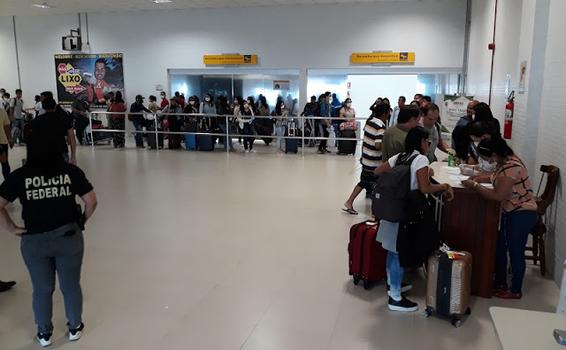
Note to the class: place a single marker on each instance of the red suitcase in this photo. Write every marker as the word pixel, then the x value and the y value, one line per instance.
pixel 366 255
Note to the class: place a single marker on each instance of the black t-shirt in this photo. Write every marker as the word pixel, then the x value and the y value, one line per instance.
pixel 47 196
pixel 51 129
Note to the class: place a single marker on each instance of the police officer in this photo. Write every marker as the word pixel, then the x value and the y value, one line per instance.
pixel 52 239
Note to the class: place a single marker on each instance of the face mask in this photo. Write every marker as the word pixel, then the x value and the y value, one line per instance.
pixel 207 99
pixel 486 165
pixel 191 102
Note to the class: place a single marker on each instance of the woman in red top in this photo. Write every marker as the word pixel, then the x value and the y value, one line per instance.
pixel 164 100
pixel 118 121
pixel 512 188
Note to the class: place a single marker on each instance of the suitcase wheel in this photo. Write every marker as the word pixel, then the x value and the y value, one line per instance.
pixel 357 279
pixel 367 284
pixel 456 321
pixel 428 311
pixel 468 311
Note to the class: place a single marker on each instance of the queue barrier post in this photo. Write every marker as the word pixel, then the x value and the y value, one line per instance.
pixel 226 139
pixel 156 131
pixel 90 131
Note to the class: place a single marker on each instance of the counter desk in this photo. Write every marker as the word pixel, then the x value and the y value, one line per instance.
pixel 469 223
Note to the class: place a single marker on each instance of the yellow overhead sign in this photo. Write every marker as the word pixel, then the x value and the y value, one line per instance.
pixel 229 60
pixel 383 57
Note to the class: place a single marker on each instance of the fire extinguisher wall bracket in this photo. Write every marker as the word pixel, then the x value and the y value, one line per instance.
pixel 509 111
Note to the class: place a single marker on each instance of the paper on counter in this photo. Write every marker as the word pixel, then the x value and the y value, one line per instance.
pixel 452 170
pixel 458 177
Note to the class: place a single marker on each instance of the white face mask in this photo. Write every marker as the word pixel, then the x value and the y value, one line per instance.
pixel 486 165
pixel 207 99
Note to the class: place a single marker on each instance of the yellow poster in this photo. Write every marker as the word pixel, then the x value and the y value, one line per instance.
pixel 229 60
pixel 383 57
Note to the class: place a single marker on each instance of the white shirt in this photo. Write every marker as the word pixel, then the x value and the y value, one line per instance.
pixel 418 163
pixel 394 116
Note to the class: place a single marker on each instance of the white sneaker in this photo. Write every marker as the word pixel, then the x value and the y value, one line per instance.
pixel 44 339
pixel 77 333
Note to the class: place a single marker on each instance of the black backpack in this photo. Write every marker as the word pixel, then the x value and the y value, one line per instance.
pixel 391 190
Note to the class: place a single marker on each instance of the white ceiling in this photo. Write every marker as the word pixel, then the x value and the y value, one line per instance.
pixel 25 7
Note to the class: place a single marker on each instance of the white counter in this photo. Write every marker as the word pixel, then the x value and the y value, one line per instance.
pixel 527 330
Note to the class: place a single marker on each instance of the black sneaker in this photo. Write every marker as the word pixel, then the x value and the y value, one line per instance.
pixel 4 286
pixel 404 305
pixel 44 339
pixel 76 333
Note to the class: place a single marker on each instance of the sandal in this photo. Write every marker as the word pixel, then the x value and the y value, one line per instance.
pixel 350 211
pixel 508 295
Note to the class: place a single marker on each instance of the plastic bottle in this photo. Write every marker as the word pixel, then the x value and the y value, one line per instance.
pixel 451 161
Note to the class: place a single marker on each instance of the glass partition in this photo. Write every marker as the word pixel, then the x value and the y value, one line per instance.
pixel 270 83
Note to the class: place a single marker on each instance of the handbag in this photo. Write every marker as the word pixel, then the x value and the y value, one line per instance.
pixel 349 125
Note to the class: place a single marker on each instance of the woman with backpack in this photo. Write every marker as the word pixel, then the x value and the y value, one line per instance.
pixel 413 162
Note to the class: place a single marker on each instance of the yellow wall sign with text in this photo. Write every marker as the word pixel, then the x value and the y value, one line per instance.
pixel 383 57
pixel 229 60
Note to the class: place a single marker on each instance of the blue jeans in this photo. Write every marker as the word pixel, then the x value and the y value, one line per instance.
pixel 394 275
pixel 226 142
pixel 138 124
pixel 58 252
pixel 512 239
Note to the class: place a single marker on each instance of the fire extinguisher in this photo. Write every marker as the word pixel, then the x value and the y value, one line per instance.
pixel 509 110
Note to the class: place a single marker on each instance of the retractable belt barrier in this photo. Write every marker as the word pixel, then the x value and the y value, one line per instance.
pixel 228 120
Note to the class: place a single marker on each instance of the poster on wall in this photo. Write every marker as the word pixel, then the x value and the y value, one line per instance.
pixel 88 76
pixel 453 108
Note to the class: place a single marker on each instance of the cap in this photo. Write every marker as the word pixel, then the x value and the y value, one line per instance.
pixel 139 97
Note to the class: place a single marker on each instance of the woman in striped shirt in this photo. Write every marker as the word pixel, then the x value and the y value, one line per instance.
pixel 512 187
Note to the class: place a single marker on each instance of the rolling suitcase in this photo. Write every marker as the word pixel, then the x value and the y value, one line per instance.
pixel 151 139
pixel 191 142
pixel 366 255
pixel 347 146
pixel 449 285
pixel 205 143
pixel 291 145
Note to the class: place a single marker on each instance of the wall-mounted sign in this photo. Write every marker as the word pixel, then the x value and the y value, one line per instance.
pixel 87 76
pixel 453 108
pixel 229 60
pixel 281 84
pixel 383 58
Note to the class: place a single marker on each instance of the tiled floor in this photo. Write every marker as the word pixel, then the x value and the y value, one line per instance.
pixel 193 250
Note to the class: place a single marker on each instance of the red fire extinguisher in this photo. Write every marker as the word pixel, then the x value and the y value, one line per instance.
pixel 509 110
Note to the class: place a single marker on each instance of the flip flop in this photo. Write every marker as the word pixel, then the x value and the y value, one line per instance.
pixel 350 211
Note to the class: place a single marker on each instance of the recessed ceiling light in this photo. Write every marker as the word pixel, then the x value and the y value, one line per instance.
pixel 44 5
pixel 162 1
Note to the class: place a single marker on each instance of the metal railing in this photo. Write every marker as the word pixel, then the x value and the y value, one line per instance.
pixel 229 120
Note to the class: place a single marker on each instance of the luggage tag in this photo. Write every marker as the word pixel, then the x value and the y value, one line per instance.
pixel 452 255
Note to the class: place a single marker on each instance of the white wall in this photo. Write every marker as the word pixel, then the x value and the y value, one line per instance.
pixel 551 148
pixel 532 31
pixel 507 48
pixel 8 70
pixel 321 36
